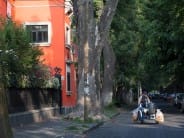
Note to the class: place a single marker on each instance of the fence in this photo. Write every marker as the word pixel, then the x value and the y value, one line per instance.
pixel 25 99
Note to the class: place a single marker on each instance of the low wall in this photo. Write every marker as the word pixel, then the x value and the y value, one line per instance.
pixel 32 116
pixel 28 105
pixel 26 99
pixel 23 118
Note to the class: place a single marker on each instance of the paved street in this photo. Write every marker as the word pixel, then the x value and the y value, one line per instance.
pixel 122 126
pixel 119 127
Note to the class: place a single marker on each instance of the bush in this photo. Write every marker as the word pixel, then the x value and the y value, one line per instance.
pixel 20 61
pixel 18 58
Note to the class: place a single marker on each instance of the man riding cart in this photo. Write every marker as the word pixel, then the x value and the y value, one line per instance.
pixel 147 110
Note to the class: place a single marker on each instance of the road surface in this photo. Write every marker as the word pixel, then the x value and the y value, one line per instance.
pixel 122 126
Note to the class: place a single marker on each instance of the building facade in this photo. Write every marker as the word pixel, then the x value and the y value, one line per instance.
pixel 50 25
pixel 3 8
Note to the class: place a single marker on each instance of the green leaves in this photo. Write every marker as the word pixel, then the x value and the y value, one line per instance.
pixel 164 26
pixel 125 38
pixel 17 56
pixel 147 37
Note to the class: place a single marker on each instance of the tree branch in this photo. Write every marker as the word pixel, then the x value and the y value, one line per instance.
pixel 107 16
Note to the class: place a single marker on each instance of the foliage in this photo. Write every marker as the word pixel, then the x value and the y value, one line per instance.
pixel 88 120
pixel 72 128
pixel 163 51
pixel 41 76
pixel 19 60
pixel 147 39
pixel 98 5
pixel 124 37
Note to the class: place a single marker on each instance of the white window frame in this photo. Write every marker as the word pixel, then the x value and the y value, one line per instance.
pixel 68 6
pixel 67 34
pixel 49 32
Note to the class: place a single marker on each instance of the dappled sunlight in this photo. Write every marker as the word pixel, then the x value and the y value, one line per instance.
pixel 46 131
pixel 51 129
pixel 81 100
pixel 175 121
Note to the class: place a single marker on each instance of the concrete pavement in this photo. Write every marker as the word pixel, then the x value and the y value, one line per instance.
pixel 53 128
pixel 56 127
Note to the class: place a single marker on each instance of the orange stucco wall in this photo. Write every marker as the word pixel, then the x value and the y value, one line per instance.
pixel 2 8
pixel 54 54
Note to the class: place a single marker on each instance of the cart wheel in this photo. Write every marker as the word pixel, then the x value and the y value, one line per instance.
pixel 140 117
pixel 142 121
pixel 157 122
pixel 134 119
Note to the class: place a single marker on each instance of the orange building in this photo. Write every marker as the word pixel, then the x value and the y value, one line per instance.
pixel 3 10
pixel 49 22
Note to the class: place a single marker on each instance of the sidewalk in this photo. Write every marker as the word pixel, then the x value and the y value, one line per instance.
pixel 54 128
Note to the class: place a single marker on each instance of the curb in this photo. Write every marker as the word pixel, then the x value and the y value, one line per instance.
pixel 93 127
pixel 99 124
pixel 115 115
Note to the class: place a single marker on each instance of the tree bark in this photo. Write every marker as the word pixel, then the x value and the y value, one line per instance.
pixel 5 128
pixel 109 68
pixel 109 58
pixel 86 38
pixel 91 37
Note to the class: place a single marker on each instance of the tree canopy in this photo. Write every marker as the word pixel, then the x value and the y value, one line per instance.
pixel 147 37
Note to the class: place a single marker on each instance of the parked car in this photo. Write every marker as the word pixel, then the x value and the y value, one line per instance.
pixel 162 95
pixel 152 96
pixel 170 97
pixel 182 105
pixel 165 96
pixel 178 99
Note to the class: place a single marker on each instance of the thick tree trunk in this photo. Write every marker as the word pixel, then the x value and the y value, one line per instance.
pixel 91 41
pixel 86 37
pixel 139 90
pixel 5 128
pixel 104 27
pixel 109 65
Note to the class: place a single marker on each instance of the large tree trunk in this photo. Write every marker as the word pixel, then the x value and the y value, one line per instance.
pixel 109 58
pixel 109 68
pixel 5 128
pixel 91 37
pixel 86 37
